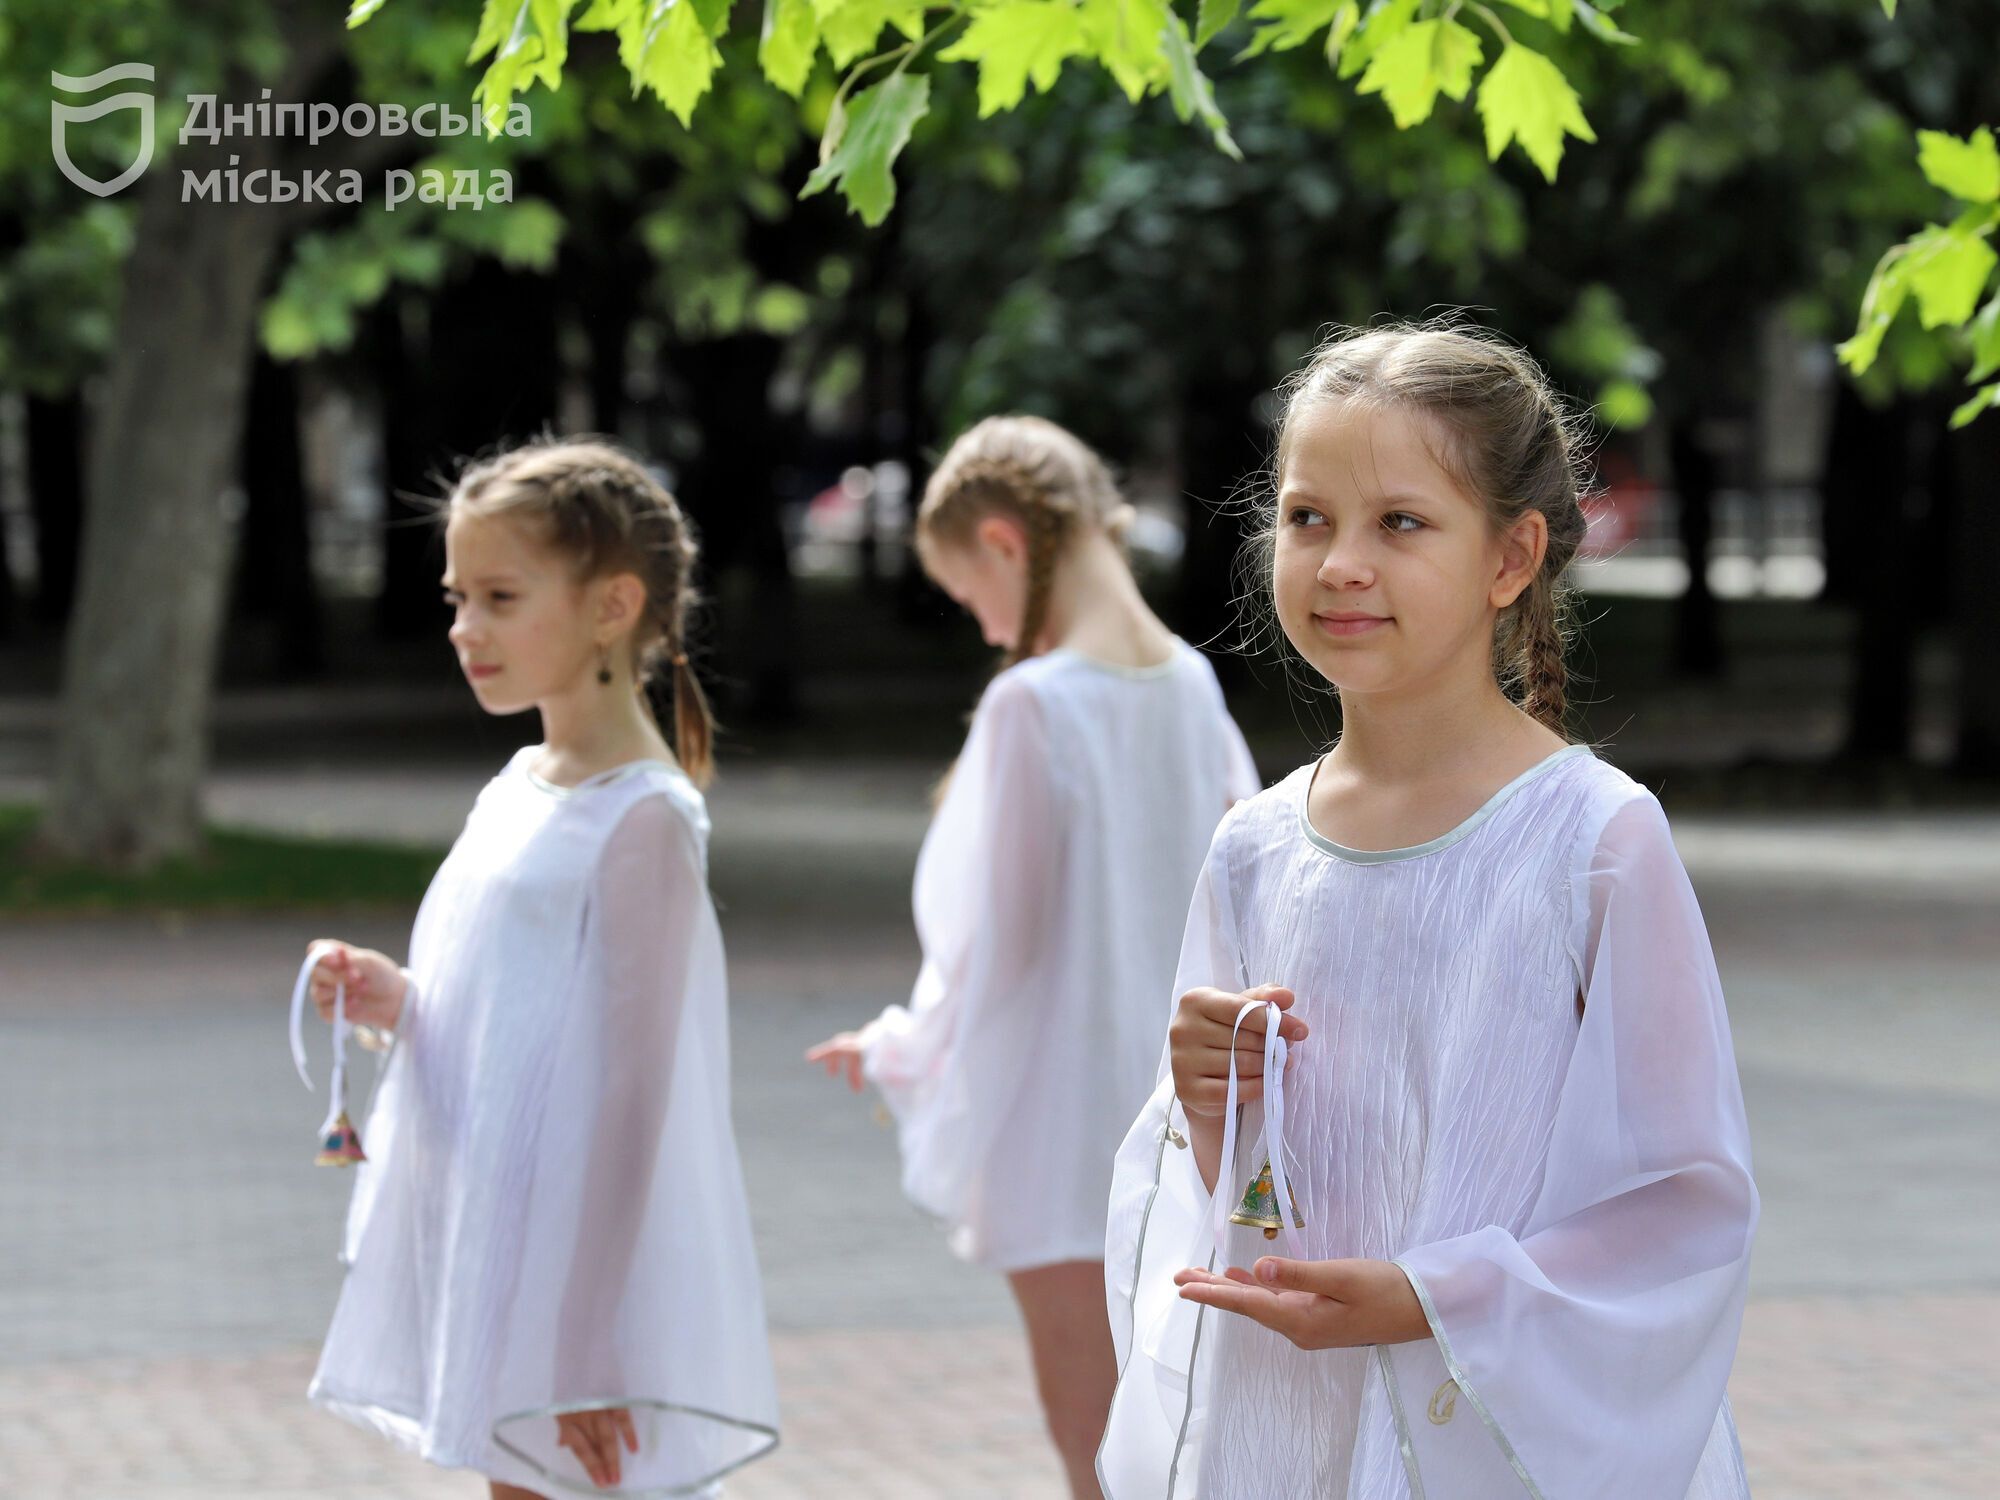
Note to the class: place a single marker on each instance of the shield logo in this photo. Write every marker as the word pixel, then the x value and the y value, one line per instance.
pixel 61 114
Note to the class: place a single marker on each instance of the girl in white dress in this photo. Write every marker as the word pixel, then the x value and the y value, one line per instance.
pixel 550 1274
pixel 1048 894
pixel 1502 1092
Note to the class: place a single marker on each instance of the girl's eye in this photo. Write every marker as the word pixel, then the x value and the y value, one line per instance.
pixel 1301 516
pixel 500 597
pixel 1402 521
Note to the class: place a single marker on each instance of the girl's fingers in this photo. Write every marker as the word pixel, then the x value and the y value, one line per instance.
pixel 626 1426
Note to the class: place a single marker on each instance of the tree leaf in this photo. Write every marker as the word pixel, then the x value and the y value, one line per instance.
pixel 1014 43
pixel 1986 400
pixel 1345 19
pixel 1384 19
pixel 362 10
pixel 850 28
pixel 1947 268
pixel 1539 9
pixel 1125 36
pixel 1419 63
pixel 529 40
pixel 1525 98
pixel 1968 169
pixel 1189 88
pixel 1888 290
pixel 1287 24
pixel 1561 13
pixel 1211 16
pixel 1889 9
pixel 1985 333
pixel 1600 25
pixel 789 43
pixel 677 58
pixel 875 128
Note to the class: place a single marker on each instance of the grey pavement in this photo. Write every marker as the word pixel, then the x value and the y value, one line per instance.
pixel 168 1246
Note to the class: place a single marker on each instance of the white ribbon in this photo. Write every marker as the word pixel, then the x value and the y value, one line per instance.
pixel 1274 1135
pixel 340 1030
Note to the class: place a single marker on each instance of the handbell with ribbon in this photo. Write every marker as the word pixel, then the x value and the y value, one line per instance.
pixel 1259 1208
pixel 1259 1205
pixel 339 1142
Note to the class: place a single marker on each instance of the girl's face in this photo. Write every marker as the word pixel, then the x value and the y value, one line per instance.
pixel 524 629
pixel 1387 574
pixel 986 576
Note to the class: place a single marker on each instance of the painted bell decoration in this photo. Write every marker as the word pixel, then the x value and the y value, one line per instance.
pixel 340 1145
pixel 1259 1208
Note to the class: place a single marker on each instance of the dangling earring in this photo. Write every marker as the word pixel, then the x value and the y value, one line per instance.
pixel 603 665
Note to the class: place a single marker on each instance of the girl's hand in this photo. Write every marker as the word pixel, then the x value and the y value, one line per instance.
pixel 593 1436
pixel 1198 1042
pixel 1317 1304
pixel 374 984
pixel 840 1053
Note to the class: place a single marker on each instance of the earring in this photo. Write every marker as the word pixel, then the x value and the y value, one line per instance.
pixel 603 666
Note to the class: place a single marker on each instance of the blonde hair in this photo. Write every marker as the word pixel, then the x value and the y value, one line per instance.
pixel 592 503
pixel 1042 477
pixel 1503 433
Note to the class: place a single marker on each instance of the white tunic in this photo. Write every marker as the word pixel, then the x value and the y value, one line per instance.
pixel 1049 893
pixel 552 1215
pixel 1570 1195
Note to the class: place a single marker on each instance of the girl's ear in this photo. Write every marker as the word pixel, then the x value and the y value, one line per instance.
pixel 1002 538
pixel 1523 545
pixel 621 601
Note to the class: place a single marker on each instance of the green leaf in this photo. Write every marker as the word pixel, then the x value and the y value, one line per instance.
pixel 1600 25
pixel 874 128
pixel 1888 289
pixel 1539 9
pixel 1125 36
pixel 789 43
pixel 1525 98
pixel 675 56
pixel 1889 9
pixel 1984 401
pixel 1985 334
pixel 362 10
pixel 1947 267
pixel 1419 63
pixel 1345 20
pixel 1289 24
pixel 850 27
pixel 1017 42
pixel 1190 89
pixel 1968 169
pixel 1211 16
pixel 529 40
pixel 1561 13
pixel 1384 19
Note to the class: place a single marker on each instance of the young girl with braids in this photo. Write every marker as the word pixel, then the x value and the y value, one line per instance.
pixel 1506 1103
pixel 550 1275
pixel 1050 887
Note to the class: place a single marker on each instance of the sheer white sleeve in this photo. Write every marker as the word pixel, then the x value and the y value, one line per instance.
pixel 950 1063
pixel 649 895
pixel 1595 1344
pixel 1158 1223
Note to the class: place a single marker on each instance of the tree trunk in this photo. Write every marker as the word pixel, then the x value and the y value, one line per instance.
pixel 55 499
pixel 1697 625
pixel 274 579
pixel 1975 550
pixel 137 672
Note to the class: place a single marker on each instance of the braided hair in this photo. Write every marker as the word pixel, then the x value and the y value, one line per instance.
pixel 1042 477
pixel 1505 435
pixel 598 506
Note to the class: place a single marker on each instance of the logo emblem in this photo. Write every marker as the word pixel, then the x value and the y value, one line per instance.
pixel 1444 1403
pixel 61 114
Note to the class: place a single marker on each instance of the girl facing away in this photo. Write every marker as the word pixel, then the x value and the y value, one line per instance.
pixel 1051 883
pixel 1507 1105
pixel 550 1274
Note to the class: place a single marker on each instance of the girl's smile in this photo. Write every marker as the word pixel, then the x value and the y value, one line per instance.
pixel 1344 623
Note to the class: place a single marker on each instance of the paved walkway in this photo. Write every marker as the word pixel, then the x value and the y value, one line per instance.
pixel 168 1249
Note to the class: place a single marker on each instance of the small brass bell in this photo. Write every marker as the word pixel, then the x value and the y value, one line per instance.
pixel 341 1146
pixel 1259 1208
